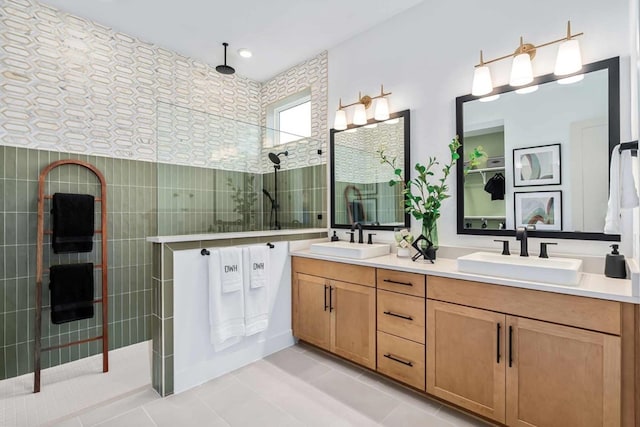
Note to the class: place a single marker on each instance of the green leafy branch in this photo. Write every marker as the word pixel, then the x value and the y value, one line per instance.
pixel 423 198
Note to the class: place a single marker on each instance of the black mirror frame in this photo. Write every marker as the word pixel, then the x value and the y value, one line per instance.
pixel 613 66
pixel 407 167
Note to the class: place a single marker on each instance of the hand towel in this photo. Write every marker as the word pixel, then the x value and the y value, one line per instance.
pixel 622 190
pixel 71 288
pixel 73 223
pixel 231 269
pixel 256 301
pixel 226 309
pixel 258 265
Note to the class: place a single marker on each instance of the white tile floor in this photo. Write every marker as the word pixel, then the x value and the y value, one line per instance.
pixel 299 386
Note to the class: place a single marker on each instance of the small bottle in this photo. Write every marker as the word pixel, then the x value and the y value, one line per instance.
pixel 614 265
pixel 335 237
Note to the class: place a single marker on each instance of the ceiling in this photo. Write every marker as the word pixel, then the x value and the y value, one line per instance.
pixel 280 33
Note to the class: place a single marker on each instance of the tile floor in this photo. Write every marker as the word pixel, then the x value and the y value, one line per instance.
pixel 299 386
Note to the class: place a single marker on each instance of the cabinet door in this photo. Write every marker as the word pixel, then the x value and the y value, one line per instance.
pixel 561 376
pixel 354 327
pixel 465 357
pixel 311 305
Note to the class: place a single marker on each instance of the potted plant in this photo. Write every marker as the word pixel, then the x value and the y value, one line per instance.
pixel 424 194
pixel 477 159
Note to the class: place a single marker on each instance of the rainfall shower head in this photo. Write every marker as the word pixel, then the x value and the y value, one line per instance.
pixel 275 158
pixel 225 69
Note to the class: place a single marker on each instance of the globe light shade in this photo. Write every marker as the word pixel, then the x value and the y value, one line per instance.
pixel 382 109
pixel 482 84
pixel 521 70
pixel 359 115
pixel 340 122
pixel 569 59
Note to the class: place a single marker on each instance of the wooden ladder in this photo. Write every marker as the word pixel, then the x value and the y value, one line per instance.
pixel 39 259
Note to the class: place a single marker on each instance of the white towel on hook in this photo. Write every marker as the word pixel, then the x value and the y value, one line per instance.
pixel 256 301
pixel 226 310
pixel 622 189
pixel 258 265
pixel 231 269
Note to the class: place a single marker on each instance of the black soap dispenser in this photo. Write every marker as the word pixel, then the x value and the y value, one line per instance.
pixel 614 265
pixel 335 237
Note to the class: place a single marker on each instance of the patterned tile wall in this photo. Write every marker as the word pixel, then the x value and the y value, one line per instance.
pixel 131 205
pixel 311 74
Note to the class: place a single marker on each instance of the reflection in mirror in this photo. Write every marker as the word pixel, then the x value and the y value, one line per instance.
pixel 546 159
pixel 360 183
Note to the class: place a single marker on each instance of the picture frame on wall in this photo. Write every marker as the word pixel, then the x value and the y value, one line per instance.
pixel 533 166
pixel 540 208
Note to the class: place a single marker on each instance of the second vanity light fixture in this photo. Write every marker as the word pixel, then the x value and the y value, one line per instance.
pixel 568 61
pixel 381 111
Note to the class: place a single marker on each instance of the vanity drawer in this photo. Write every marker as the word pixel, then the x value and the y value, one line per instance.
pixel 401 359
pixel 401 315
pixel 402 282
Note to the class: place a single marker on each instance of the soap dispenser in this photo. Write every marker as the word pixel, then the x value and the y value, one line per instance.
pixel 335 237
pixel 614 265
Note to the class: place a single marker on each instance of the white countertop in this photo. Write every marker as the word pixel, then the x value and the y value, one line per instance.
pixel 233 235
pixel 590 285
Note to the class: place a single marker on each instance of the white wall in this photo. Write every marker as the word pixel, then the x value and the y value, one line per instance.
pixel 425 56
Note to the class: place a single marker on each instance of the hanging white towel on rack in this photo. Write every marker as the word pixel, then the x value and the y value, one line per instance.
pixel 226 309
pixel 256 299
pixel 622 189
pixel 231 269
pixel 258 265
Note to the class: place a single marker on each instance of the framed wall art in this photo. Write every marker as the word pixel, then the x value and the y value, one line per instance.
pixel 536 166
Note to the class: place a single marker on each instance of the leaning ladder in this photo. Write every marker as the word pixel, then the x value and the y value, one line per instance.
pixel 39 259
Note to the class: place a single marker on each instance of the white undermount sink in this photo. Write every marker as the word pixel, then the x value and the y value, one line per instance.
pixel 559 271
pixel 350 250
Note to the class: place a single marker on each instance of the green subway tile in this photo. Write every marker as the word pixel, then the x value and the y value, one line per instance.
pixel 167 337
pixel 167 286
pixel 156 372
pixel 167 263
pixel 11 361
pixel 156 333
pixel 168 375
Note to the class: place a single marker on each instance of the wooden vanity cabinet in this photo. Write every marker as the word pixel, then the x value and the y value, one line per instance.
pixel 519 371
pixel 336 315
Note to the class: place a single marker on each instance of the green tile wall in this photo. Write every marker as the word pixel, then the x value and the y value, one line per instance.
pixel 131 209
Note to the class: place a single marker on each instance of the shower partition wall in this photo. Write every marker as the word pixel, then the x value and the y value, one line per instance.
pixel 216 175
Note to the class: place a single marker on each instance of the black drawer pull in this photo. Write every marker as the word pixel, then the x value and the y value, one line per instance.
pixel 510 346
pixel 498 340
pixel 402 316
pixel 395 359
pixel 325 298
pixel 397 283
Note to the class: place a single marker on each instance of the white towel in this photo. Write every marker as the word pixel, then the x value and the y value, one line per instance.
pixel 258 265
pixel 256 302
pixel 231 269
pixel 622 189
pixel 226 310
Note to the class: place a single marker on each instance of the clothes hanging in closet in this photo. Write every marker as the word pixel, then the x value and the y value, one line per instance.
pixel 495 186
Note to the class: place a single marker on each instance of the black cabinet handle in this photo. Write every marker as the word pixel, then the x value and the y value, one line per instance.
pixel 330 299
pixel 402 316
pixel 325 297
pixel 498 345
pixel 510 345
pixel 396 359
pixel 397 283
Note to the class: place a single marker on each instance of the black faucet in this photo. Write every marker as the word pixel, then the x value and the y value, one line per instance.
pixel 359 227
pixel 521 234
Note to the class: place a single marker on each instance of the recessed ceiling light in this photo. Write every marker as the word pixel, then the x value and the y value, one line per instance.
pixel 245 53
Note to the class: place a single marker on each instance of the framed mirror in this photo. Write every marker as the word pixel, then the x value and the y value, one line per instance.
pixel 545 155
pixel 360 188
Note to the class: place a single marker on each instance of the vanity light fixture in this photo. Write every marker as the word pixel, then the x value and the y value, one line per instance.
pixel 381 111
pixel 568 61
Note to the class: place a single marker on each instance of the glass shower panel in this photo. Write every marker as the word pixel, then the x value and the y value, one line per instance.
pixel 218 175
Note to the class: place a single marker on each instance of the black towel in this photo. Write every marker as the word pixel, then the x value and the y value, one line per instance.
pixel 71 288
pixel 73 223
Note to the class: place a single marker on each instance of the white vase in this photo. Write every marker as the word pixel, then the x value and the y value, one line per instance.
pixel 404 252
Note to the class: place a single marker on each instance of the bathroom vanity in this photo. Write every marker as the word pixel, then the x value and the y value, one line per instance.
pixel 515 352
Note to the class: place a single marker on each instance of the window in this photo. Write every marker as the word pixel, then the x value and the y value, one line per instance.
pixel 291 118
